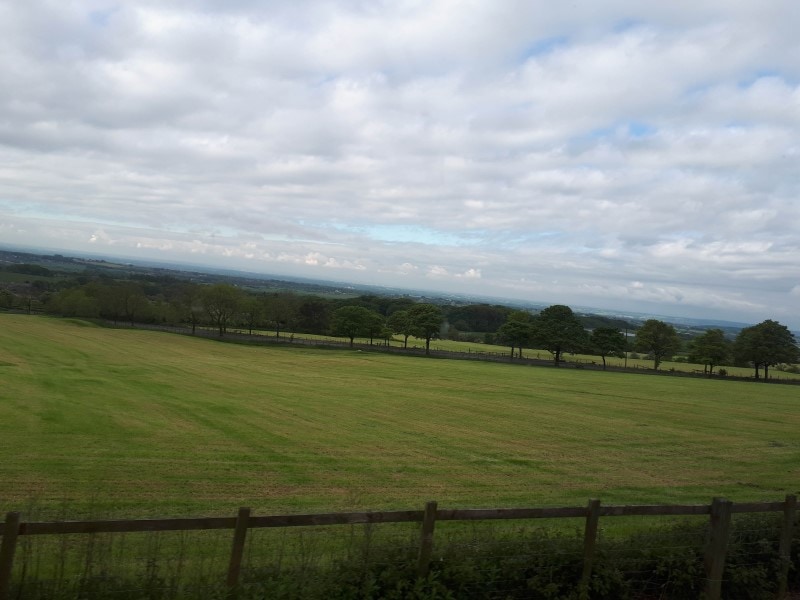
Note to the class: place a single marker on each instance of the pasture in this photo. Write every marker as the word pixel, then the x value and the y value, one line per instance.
pixel 124 422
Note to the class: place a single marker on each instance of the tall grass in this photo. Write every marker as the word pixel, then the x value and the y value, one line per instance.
pixel 482 561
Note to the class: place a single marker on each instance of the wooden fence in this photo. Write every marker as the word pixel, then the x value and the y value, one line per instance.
pixel 719 513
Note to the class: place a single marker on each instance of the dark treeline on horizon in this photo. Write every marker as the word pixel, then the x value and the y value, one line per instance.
pixel 128 294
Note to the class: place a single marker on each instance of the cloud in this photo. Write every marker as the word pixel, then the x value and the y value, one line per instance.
pixel 554 153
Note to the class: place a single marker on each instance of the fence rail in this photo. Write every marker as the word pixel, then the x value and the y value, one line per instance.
pixel 719 512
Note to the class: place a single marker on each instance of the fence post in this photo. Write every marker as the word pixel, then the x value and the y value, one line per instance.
pixel 7 549
pixel 589 543
pixel 785 547
pixel 237 551
pixel 426 540
pixel 717 546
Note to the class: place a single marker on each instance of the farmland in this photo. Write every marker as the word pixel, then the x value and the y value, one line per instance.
pixel 135 422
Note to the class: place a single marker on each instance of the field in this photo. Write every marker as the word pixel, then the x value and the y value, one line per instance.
pixel 494 349
pixel 125 422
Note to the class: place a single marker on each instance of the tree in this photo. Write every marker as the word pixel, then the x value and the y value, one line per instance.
pixel 352 321
pixel 710 350
pixel 400 322
pixel 280 309
pixel 659 339
pixel 374 326
pixel 478 317
pixel 187 300
pixel 222 303
pixel 767 344
pixel 558 330
pixel 607 341
pixel 74 302
pixel 252 311
pixel 426 321
pixel 517 331
pixel 313 315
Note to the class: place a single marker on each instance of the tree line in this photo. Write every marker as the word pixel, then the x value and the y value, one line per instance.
pixel 555 329
pixel 558 330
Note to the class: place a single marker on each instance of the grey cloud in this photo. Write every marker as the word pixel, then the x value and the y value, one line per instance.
pixel 577 148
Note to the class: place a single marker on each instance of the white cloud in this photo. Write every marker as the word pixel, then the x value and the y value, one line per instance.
pixel 576 147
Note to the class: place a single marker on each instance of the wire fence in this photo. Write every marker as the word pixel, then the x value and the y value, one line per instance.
pixel 660 551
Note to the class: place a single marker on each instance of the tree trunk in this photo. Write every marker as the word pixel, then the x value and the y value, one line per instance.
pixel 603 356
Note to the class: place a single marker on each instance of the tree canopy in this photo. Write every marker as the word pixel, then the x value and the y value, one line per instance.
pixel 557 330
pixel 222 303
pixel 606 341
pixel 710 349
pixel 764 345
pixel 517 331
pixel 400 322
pixel 352 321
pixel 659 339
pixel 426 320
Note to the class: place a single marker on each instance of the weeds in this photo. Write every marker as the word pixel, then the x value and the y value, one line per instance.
pixel 478 561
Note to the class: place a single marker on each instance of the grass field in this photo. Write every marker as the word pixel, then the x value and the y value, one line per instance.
pixel 125 422
pixel 494 349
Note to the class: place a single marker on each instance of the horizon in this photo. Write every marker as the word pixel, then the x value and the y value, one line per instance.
pixel 627 157
pixel 635 315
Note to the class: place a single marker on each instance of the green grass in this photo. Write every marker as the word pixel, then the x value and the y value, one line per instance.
pixel 125 422
pixel 532 353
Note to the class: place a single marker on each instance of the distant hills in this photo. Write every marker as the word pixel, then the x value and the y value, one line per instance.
pixel 203 274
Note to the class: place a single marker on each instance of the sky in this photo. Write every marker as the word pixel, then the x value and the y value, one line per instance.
pixel 626 155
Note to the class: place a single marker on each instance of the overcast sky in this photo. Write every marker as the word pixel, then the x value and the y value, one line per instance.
pixel 627 155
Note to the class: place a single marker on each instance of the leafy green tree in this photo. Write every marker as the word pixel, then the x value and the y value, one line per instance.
pixel 517 331
pixel 187 301
pixel 710 349
pixel 400 322
pixel 252 313
pixel 557 330
pixel 280 310
pixel 478 317
pixel 426 321
pixel 386 334
pixel 6 299
pixel 659 339
pixel 313 315
pixel 222 303
pixel 120 300
pixel 375 326
pixel 764 345
pixel 74 302
pixel 607 341
pixel 352 322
